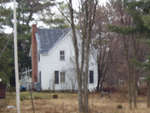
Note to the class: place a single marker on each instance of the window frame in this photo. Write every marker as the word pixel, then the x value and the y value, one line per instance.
pixel 56 77
pixel 62 77
pixel 62 55
pixel 91 77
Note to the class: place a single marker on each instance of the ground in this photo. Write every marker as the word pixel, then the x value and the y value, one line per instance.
pixel 67 103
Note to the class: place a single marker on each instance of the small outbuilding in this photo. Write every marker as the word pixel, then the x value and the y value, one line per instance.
pixel 2 90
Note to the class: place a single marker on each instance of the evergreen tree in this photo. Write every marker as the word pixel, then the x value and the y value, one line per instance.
pixel 137 29
pixel 56 19
pixel 6 47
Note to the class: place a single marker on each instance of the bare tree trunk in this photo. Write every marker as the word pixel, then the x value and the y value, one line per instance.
pixel 80 94
pixel 103 67
pixel 126 47
pixel 76 49
pixel 135 49
pixel 99 75
pixel 130 92
pixel 134 88
pixel 88 9
pixel 148 94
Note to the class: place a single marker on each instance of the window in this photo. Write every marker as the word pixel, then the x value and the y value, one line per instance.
pixel 91 77
pixel 62 55
pixel 56 77
pixel 40 76
pixel 62 77
pixel 39 57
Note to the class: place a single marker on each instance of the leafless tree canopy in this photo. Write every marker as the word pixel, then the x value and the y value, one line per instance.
pixel 87 11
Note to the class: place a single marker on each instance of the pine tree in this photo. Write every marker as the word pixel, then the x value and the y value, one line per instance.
pixel 139 30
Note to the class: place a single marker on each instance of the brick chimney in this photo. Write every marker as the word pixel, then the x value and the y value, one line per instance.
pixel 34 55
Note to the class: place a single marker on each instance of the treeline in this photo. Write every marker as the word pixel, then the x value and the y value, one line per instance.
pixel 119 41
pixel 116 33
pixel 124 46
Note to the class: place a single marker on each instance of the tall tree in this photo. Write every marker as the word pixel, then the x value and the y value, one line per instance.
pixel 142 9
pixel 132 29
pixel 101 45
pixel 6 53
pixel 86 21
pixel 55 19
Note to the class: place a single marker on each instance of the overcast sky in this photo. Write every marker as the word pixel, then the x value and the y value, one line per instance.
pixel 76 2
pixel 75 5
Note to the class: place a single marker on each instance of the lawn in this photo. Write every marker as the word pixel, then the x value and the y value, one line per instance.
pixel 67 103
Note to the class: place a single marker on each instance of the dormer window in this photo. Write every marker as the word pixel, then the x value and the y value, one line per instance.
pixel 62 55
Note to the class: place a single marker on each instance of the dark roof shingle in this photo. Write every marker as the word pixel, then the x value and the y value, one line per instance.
pixel 48 38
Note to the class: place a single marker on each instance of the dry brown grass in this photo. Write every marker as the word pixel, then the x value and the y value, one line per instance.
pixel 67 103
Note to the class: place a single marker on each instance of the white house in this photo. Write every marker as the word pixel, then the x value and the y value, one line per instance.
pixel 53 56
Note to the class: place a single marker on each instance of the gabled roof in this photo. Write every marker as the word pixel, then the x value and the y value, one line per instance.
pixel 47 38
